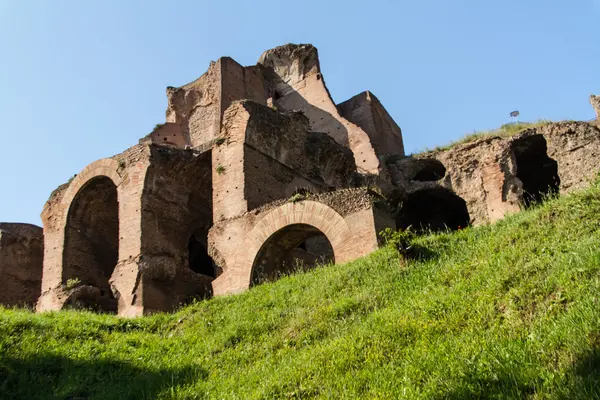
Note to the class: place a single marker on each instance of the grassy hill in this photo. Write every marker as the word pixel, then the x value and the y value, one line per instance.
pixel 503 311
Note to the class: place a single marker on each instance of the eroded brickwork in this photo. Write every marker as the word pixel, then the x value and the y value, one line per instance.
pixel 21 252
pixel 255 173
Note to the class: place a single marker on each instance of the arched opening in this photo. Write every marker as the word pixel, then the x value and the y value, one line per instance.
pixel 91 249
pixel 428 170
pixel 295 247
pixel 537 171
pixel 435 209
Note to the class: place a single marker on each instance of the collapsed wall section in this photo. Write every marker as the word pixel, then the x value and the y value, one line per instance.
pixel 296 83
pixel 198 107
pixel 366 111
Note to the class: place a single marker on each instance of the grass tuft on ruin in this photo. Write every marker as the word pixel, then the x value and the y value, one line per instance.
pixel 505 131
pixel 510 310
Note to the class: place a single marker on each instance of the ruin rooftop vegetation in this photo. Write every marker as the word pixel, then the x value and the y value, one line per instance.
pixel 255 173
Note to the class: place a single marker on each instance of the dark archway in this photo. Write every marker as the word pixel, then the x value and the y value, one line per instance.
pixel 436 209
pixel 537 171
pixel 91 249
pixel 295 247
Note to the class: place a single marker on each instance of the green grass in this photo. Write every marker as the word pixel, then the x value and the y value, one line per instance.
pixel 506 130
pixel 509 310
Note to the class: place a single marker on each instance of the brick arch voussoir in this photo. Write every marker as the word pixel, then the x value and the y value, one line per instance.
pixel 106 167
pixel 312 213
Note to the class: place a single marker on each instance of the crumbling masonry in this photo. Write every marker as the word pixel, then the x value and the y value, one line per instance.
pixel 257 172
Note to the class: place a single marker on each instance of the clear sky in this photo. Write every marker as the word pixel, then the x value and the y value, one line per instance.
pixel 82 80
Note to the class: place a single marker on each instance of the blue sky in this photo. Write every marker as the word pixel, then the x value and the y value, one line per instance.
pixel 83 80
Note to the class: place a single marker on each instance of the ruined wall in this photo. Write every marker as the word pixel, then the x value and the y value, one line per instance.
pixel 199 106
pixel 349 219
pixel 481 173
pixel 258 139
pixel 262 186
pixel 21 252
pixel 196 107
pixel 576 148
pixel 169 133
pixel 78 286
pixel 176 205
pixel 241 83
pixel 288 78
pixel 366 111
pixel 297 84
pixel 488 173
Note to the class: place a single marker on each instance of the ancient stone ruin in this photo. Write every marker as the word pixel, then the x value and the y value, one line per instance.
pixel 595 100
pixel 257 172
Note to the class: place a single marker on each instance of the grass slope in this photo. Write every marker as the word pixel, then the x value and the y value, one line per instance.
pixel 503 311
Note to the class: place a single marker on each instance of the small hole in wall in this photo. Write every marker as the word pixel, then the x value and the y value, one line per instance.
pixel 318 77
pixel 165 139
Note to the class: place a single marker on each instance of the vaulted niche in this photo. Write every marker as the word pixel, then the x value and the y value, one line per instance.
pixel 91 249
pixel 295 247
pixel 428 170
pixel 435 209
pixel 537 171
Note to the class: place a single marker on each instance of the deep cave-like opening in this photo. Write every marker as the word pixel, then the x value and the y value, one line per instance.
pixel 537 171
pixel 295 247
pixel 91 249
pixel 435 209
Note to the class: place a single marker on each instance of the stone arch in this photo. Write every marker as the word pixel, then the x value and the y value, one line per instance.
pixel 292 248
pixel 107 167
pixel 289 226
pixel 91 237
pixel 433 209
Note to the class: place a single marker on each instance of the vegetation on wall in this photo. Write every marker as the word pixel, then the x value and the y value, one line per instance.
pixel 506 130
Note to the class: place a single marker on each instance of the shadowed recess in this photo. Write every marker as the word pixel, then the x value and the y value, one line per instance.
pixel 428 170
pixel 537 171
pixel 295 247
pixel 92 246
pixel 435 209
